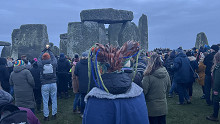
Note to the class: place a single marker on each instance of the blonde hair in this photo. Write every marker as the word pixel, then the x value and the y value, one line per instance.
pixel 153 64
pixel 216 60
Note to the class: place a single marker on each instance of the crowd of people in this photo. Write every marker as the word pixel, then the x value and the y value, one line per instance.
pixel 110 85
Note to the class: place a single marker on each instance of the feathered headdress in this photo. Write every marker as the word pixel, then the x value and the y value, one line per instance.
pixel 107 59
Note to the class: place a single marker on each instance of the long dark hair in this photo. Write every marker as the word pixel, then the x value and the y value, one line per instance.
pixel 154 63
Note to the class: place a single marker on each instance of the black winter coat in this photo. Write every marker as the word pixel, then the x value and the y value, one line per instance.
pixel 4 75
pixel 181 67
pixel 63 65
pixel 208 61
pixel 35 71
pixel 81 71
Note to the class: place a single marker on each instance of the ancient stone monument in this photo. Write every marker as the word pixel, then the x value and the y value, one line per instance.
pixel 6 51
pixel 201 40
pixel 63 43
pixel 143 31
pixel 82 35
pixel 3 43
pixel 29 40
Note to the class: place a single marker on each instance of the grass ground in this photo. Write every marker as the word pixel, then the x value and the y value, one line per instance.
pixel 194 113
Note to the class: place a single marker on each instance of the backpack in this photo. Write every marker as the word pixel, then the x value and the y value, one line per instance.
pixel 48 71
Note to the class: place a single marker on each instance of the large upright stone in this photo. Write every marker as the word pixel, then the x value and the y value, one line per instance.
pixel 201 40
pixel 3 43
pixel 15 38
pixel 129 31
pixel 63 43
pixel 29 40
pixel 82 36
pixel 113 33
pixel 6 51
pixel 106 16
pixel 143 31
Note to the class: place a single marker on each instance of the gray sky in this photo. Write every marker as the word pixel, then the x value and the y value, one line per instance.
pixel 172 23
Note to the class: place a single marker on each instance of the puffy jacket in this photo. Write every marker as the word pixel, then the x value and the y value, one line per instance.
pixel 23 83
pixel 155 88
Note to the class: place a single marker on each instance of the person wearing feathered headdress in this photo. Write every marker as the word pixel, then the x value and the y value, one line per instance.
pixel 115 99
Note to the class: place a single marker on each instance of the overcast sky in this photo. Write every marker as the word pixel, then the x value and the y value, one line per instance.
pixel 172 23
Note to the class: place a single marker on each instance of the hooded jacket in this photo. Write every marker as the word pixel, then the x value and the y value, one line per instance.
pixel 23 83
pixel 155 87
pixel 182 70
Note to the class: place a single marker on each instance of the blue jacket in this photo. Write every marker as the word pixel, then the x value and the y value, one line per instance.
pixel 182 70
pixel 116 109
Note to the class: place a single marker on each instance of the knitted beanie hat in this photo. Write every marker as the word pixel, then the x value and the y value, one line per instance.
pixel 19 63
pixel 215 47
pixel 46 56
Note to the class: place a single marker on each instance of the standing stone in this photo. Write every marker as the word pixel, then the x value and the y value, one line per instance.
pixel 82 36
pixel 128 32
pixel 103 39
pixel 113 33
pixel 201 40
pixel 6 51
pixel 15 38
pixel 63 43
pixel 106 16
pixel 74 38
pixel 29 40
pixel 143 31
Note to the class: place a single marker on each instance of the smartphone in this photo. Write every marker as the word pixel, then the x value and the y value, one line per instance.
pixel 47 46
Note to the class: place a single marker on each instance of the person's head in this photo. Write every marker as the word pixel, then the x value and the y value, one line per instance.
pixel 62 56
pixel 76 57
pixel 85 55
pixel 19 63
pixel 46 56
pixel 173 54
pixel 189 53
pixel 214 48
pixel 23 57
pixel 216 60
pixel 153 64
